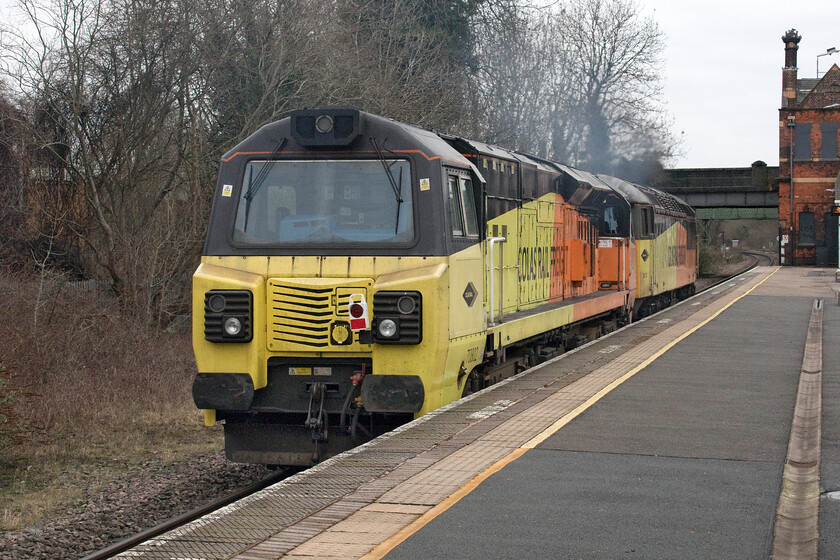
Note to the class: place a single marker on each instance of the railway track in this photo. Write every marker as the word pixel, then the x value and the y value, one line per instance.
pixel 763 258
pixel 754 259
pixel 175 522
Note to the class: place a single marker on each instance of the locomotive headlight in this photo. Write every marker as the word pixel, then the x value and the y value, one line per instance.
pixel 233 326
pixel 324 124
pixel 387 328
pixel 228 315
pixel 397 317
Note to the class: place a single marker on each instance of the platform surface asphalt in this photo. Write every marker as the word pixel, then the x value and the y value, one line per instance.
pixel 666 439
pixel 682 461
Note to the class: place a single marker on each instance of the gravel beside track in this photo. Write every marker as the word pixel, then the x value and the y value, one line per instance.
pixel 136 499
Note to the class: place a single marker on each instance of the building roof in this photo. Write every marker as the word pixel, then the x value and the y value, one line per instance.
pixel 804 87
pixel 813 93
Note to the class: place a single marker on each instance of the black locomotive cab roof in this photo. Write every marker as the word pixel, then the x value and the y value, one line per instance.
pixel 329 137
pixel 300 212
pixel 640 194
pixel 392 137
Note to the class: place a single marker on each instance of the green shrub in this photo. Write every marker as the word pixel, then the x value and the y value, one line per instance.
pixel 712 260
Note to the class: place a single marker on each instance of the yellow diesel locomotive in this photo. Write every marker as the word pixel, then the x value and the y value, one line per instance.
pixel 359 272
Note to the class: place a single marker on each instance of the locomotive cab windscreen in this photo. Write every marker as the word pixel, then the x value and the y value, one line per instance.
pixel 312 202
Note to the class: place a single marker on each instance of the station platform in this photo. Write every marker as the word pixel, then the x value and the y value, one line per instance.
pixel 675 437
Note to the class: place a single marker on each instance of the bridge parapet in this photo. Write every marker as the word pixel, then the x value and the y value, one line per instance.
pixel 755 187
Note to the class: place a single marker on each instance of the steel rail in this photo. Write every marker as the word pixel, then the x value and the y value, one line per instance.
pixel 184 518
pixel 754 255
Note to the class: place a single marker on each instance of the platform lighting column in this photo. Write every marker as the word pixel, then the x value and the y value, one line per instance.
pixel 828 52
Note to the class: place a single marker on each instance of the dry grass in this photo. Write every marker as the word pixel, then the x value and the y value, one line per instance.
pixel 96 393
pixel 712 260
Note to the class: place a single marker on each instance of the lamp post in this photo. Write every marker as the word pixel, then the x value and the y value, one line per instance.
pixel 828 52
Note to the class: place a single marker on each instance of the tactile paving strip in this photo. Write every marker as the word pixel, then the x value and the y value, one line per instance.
pixel 349 504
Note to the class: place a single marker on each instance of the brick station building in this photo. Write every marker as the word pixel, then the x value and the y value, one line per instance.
pixel 809 121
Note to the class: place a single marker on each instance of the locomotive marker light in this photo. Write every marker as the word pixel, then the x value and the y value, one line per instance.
pixel 216 303
pixel 406 305
pixel 358 309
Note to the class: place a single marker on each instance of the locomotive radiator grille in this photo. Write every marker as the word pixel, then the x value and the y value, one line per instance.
pixel 305 314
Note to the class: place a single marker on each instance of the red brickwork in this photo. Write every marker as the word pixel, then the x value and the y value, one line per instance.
pixel 814 178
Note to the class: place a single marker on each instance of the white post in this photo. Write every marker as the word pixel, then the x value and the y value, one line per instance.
pixel 836 204
pixel 492 241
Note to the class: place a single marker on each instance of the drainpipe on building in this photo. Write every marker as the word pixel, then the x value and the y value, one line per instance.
pixel 791 123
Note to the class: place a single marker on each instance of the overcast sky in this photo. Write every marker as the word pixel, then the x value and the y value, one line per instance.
pixel 723 70
pixel 724 64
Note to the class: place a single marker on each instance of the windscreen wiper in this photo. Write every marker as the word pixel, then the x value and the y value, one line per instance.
pixel 396 188
pixel 399 200
pixel 254 186
pixel 388 171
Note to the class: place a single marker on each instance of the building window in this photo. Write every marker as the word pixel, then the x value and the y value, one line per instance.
pixel 807 235
pixel 802 142
pixel 829 140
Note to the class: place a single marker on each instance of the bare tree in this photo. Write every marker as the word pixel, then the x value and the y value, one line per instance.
pixel 616 68
pixel 519 71
pixel 578 82
pixel 256 63
pixel 113 85
pixel 391 57
pixel 13 171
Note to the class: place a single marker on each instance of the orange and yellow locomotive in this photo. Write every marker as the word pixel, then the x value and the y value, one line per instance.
pixel 359 272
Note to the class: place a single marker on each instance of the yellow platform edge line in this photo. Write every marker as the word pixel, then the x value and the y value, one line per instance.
pixel 551 430
pixel 403 534
pixel 391 543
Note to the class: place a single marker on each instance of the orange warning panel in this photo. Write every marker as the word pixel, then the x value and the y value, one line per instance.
pixel 576 263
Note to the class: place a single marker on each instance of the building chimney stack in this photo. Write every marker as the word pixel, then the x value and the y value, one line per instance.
pixel 791 40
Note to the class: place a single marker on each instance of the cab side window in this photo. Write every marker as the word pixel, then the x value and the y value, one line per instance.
pixel 462 213
pixel 643 226
pixel 455 216
pixel 468 201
